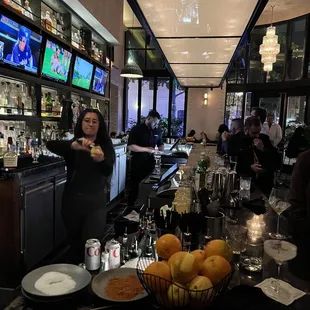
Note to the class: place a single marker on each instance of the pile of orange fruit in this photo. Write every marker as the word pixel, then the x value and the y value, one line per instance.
pixel 184 278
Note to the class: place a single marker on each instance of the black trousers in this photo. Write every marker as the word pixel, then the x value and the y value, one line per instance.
pixel 139 169
pixel 84 216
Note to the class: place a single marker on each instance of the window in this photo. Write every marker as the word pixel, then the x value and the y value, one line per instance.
pixel 236 75
pixel 138 56
pixel 248 104
pixel 272 105
pixel 147 97
pixel 296 107
pixel 162 102
pixel 233 107
pixel 296 50
pixel 132 102
pixel 256 72
pixel 177 110
pixel 135 38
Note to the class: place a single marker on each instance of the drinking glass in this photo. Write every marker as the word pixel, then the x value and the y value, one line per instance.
pixel 157 156
pixel 278 200
pixel 281 251
pixel 245 183
pixel 233 162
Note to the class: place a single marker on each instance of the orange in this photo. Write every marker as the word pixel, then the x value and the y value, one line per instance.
pixel 215 268
pixel 200 289
pixel 178 295
pixel 184 267
pixel 157 276
pixel 200 257
pixel 167 245
pixel 218 247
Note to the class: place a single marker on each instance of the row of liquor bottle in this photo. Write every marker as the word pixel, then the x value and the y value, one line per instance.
pixel 19 7
pixel 15 99
pixel 50 105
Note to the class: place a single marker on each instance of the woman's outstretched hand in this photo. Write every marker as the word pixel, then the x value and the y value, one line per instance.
pixel 82 144
pixel 97 154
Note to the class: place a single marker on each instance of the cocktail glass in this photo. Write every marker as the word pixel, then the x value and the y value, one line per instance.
pixel 281 251
pixel 278 200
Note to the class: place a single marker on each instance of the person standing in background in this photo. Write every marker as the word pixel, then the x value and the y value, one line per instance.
pixel 262 115
pixel 234 140
pixel 89 158
pixel 141 145
pixel 274 130
pixel 223 132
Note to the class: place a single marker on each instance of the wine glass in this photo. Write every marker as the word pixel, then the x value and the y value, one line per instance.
pixel 233 162
pixel 281 251
pixel 278 200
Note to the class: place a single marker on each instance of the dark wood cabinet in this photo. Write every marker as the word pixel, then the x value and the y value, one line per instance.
pixel 38 222
pixel 60 230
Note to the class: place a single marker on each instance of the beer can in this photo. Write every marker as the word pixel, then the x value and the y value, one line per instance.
pixel 92 254
pixel 113 247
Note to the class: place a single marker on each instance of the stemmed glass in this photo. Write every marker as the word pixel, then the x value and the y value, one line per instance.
pixel 281 251
pixel 278 200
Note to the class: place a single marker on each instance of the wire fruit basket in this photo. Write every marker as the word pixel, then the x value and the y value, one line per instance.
pixel 171 295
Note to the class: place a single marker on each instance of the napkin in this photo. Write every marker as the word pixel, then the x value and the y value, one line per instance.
pixel 132 216
pixel 292 292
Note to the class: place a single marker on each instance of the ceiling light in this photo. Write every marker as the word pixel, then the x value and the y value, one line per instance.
pixel 270 47
pixel 132 70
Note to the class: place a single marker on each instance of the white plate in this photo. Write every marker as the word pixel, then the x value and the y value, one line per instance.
pixel 102 279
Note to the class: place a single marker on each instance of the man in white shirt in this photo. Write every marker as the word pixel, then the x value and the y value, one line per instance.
pixel 274 130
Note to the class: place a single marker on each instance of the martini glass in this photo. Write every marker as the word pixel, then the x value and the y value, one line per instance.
pixel 278 201
pixel 281 251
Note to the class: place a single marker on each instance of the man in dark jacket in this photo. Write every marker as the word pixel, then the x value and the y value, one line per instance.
pixel 257 156
pixel 234 140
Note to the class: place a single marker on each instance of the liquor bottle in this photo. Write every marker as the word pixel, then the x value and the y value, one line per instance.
pixel 48 21
pixel 10 158
pixel 54 21
pixel 63 27
pixel 49 104
pixel 2 144
pixel 22 143
pixel 59 25
pixel 27 10
pixel 200 176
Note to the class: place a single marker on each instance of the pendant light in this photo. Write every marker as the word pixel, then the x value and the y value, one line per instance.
pixel 131 69
pixel 270 47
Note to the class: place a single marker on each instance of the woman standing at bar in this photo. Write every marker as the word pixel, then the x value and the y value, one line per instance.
pixel 89 159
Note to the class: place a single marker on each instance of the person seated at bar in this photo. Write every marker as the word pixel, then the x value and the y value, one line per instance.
pixel 223 129
pixel 141 145
pixel 297 144
pixel 204 137
pixel 262 115
pixel 257 156
pixel 299 216
pixel 234 140
pixel 191 136
pixel 113 135
pixel 89 158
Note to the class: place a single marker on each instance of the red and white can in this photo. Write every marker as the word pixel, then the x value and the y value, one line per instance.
pixel 113 247
pixel 92 254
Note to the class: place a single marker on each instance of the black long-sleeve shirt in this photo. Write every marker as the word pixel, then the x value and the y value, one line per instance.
pixel 83 173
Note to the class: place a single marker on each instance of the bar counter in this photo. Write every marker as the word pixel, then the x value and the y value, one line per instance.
pixel 86 300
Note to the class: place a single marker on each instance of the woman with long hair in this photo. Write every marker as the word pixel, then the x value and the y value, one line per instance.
pixel 89 157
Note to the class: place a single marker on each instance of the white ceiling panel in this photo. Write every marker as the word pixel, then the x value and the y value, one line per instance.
pixel 194 50
pixel 194 82
pixel 199 70
pixel 192 18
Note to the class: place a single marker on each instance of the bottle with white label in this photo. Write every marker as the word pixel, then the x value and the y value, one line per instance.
pixel 10 158
pixel 2 144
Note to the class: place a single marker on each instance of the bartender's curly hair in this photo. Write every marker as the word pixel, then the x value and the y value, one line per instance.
pixel 103 138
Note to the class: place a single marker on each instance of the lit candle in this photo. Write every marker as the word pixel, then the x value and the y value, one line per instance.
pixel 256 227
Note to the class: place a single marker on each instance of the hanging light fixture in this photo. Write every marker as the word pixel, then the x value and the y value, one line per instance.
pixel 131 69
pixel 270 47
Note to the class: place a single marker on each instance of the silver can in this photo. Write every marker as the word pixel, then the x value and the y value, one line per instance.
pixel 92 254
pixel 113 247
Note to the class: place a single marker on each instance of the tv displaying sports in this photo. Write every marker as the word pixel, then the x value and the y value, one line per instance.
pixel 100 81
pixel 19 46
pixel 56 62
pixel 82 73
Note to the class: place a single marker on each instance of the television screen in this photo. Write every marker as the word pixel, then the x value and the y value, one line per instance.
pixel 19 46
pixel 82 73
pixel 56 62
pixel 100 81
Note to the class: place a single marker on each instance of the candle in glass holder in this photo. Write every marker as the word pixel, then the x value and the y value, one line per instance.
pixel 256 228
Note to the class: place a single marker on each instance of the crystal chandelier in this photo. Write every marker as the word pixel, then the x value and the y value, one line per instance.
pixel 270 47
